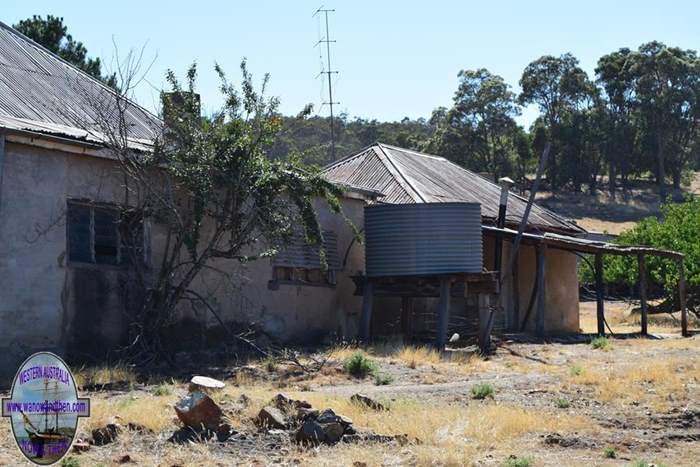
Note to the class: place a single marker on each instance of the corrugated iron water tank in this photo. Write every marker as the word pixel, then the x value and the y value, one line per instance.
pixel 422 239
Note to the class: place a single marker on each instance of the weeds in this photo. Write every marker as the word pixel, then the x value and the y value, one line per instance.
pixel 575 370
pixel 70 461
pixel 513 461
pixel 609 453
pixel 359 365
pixel 270 364
pixel 601 343
pixel 383 379
pixel 483 390
pixel 162 390
pixel 563 403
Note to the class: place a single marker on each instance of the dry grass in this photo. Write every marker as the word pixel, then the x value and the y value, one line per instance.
pixel 655 382
pixel 104 374
pixel 155 413
pixel 416 356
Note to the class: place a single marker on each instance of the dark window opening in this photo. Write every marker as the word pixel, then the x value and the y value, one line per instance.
pixel 103 235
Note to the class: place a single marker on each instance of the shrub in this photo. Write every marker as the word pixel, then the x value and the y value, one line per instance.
pixel 270 364
pixel 513 461
pixel 575 370
pixel 70 461
pixel 563 403
pixel 483 390
pixel 162 390
pixel 383 379
pixel 601 342
pixel 609 453
pixel 359 365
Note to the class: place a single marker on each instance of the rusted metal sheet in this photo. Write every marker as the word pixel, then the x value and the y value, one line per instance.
pixel 41 92
pixel 423 239
pixel 406 176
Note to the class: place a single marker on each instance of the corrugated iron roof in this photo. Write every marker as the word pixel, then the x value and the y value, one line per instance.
pixel 406 176
pixel 41 92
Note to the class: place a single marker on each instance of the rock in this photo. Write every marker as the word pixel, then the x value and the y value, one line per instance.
pixel 284 402
pixel 81 446
pixel 271 417
pixel 332 432
pixel 367 401
pixel 138 428
pixel 311 432
pixel 454 338
pixel 304 414
pixel 368 436
pixel 106 434
pixel 122 459
pixel 205 384
pixel 198 410
pixel 224 432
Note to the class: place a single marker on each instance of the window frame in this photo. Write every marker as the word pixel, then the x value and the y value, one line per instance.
pixel 92 207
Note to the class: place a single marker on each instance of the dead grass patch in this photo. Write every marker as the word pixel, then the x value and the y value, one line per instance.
pixel 104 374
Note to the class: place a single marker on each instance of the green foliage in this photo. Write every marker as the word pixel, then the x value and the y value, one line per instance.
pixel 563 403
pixel 359 365
pixel 162 390
pixel 678 230
pixel 609 453
pixel 70 461
pixel 270 364
pixel 483 390
pixel 575 370
pixel 513 461
pixel 53 34
pixel 601 343
pixel 383 379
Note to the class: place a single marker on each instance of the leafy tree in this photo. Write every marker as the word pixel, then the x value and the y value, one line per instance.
pixel 667 90
pixel 53 34
pixel 561 89
pixel 479 131
pixel 213 194
pixel 617 121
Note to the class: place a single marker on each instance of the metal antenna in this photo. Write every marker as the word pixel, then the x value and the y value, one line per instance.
pixel 327 40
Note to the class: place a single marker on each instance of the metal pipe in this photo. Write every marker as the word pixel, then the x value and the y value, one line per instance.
pixel 505 183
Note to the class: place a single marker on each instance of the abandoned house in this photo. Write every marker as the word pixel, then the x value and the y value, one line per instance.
pixel 61 255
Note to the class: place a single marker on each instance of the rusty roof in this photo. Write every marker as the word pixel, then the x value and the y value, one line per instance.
pixel 406 176
pixel 43 93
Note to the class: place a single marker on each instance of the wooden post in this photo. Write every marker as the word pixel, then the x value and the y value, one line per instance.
pixel 682 298
pixel 443 314
pixel 366 319
pixel 407 318
pixel 485 323
pixel 515 278
pixel 600 303
pixel 541 292
pixel 643 292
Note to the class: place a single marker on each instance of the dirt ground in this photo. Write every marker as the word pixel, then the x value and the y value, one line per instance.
pixel 631 401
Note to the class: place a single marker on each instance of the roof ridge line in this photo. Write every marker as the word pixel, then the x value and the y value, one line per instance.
pixel 401 174
pixel 41 48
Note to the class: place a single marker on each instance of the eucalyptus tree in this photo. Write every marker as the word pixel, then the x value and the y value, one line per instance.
pixel 479 130
pixel 666 86
pixel 560 88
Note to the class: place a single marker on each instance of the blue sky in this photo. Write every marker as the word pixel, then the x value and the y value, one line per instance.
pixel 396 58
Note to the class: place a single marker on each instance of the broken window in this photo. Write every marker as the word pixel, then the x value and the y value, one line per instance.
pixel 100 234
pixel 300 263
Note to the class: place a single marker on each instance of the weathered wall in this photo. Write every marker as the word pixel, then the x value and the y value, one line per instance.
pixel 561 288
pixel 46 303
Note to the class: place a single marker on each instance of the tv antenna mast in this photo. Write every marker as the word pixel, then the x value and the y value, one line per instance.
pixel 327 40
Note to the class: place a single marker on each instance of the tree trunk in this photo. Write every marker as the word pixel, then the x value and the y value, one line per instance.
pixel 661 169
pixel 611 180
